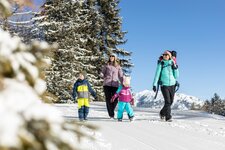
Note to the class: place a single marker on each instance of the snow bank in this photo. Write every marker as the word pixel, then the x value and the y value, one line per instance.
pixel 181 101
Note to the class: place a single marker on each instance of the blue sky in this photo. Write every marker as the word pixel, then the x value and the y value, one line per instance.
pixel 194 28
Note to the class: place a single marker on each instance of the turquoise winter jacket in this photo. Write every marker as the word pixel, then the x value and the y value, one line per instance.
pixel 169 75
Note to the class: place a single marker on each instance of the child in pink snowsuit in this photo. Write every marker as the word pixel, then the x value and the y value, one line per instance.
pixel 125 99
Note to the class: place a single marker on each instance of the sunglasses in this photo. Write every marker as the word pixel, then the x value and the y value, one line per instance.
pixel 112 56
pixel 165 54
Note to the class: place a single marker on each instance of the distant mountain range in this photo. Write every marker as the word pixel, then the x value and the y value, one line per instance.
pixel 181 101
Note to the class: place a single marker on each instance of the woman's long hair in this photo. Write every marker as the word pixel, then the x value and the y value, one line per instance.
pixel 115 63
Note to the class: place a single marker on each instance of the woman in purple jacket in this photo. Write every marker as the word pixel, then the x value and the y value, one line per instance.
pixel 112 73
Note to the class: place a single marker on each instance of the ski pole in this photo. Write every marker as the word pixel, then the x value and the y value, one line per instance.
pixel 157 90
pixel 177 86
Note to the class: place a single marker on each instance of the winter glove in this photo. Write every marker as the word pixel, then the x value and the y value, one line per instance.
pixel 154 88
pixel 114 97
pixel 177 83
pixel 132 101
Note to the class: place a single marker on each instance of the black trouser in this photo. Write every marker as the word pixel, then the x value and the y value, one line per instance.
pixel 109 92
pixel 168 95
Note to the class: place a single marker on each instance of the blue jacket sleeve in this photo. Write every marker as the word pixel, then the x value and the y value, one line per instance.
pixel 119 89
pixel 74 94
pixel 176 73
pixel 157 74
pixel 91 90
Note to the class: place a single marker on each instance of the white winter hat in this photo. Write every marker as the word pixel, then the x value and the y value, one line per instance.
pixel 113 54
pixel 126 81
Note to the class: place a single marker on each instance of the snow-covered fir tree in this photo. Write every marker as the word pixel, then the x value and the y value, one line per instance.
pixel 216 105
pixel 87 31
pixel 112 34
pixel 26 122
pixel 74 25
pixel 19 23
pixel 22 25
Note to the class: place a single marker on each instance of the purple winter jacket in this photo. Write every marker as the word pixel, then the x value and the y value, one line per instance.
pixel 112 75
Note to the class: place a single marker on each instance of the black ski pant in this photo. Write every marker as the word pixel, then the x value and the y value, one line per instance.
pixel 168 95
pixel 109 92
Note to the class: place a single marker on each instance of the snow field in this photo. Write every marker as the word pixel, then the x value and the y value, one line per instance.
pixel 190 130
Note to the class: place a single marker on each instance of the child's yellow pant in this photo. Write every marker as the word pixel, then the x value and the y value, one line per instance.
pixel 83 102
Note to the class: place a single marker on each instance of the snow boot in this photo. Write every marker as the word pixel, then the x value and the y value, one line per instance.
pixel 119 120
pixel 112 118
pixel 81 119
pixel 132 118
pixel 169 119
pixel 162 117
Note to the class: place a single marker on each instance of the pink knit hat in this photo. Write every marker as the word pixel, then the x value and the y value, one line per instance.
pixel 168 52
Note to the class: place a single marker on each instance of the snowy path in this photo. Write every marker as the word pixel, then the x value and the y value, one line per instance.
pixel 190 130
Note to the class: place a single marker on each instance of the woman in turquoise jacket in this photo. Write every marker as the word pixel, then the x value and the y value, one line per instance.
pixel 166 75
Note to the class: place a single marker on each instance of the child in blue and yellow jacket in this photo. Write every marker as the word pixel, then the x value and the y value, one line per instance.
pixel 81 90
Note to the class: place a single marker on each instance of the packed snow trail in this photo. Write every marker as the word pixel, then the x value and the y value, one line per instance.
pixel 190 130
